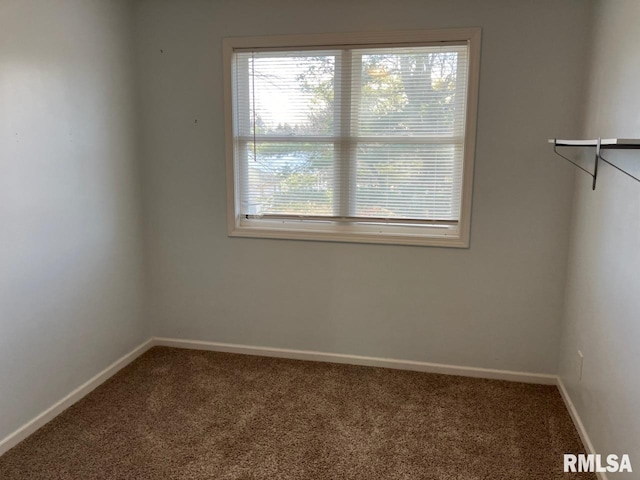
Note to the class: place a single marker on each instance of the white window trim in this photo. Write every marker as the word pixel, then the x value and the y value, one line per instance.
pixel 294 230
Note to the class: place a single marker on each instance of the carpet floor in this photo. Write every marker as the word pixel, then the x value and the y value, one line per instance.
pixel 183 414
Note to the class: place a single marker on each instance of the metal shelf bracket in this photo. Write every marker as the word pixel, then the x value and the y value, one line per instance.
pixel 598 156
pixel 594 175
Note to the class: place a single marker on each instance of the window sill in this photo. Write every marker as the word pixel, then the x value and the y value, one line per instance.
pixel 436 237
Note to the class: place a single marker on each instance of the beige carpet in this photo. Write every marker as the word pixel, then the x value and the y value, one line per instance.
pixel 180 414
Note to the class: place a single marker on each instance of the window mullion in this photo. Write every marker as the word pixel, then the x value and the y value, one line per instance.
pixel 345 147
pixel 354 122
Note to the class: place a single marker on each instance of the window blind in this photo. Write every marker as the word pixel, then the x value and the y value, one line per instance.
pixel 372 134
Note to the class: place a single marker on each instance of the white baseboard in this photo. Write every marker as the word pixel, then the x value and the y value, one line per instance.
pixel 56 409
pixel 577 421
pixel 539 378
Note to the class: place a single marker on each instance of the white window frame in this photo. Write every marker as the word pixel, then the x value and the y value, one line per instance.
pixel 443 236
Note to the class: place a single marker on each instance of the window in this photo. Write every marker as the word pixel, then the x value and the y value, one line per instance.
pixel 354 137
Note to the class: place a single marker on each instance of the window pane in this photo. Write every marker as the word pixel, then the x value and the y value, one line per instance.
pixel 288 93
pixel 289 178
pixel 417 91
pixel 408 181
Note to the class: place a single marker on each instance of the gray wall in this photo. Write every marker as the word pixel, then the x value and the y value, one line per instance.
pixel 496 305
pixel 602 317
pixel 70 267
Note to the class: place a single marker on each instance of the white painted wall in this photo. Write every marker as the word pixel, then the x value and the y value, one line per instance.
pixel 495 305
pixel 602 317
pixel 70 270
